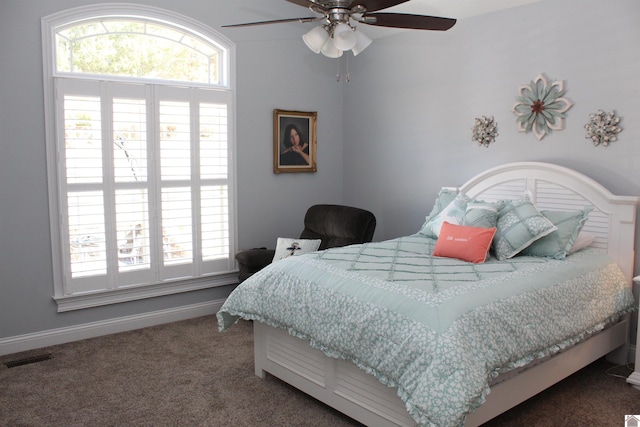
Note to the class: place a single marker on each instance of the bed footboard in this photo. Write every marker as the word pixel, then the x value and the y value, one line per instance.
pixel 350 390
pixel 337 383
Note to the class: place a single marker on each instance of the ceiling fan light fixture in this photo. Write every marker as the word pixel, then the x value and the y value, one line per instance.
pixel 336 35
pixel 316 38
pixel 344 37
pixel 362 42
pixel 330 50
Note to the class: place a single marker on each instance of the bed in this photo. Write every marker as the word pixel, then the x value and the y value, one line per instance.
pixel 346 356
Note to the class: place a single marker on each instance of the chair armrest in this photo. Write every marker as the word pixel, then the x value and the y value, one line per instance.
pixel 255 259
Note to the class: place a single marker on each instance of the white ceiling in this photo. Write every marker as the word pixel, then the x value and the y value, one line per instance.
pixel 458 9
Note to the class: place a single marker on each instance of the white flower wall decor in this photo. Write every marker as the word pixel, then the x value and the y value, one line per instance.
pixel 541 106
pixel 602 128
pixel 485 131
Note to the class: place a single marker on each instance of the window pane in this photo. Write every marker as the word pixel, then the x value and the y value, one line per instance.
pixel 215 222
pixel 176 225
pixel 175 141
pixel 65 39
pixel 213 141
pixel 132 225
pixel 129 140
pixel 138 49
pixel 83 139
pixel 86 233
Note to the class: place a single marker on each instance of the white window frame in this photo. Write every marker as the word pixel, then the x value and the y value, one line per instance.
pixel 225 275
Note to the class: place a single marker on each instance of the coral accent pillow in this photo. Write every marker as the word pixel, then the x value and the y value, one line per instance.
pixel 464 242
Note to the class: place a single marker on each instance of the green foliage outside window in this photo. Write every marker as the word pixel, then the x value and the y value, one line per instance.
pixel 135 49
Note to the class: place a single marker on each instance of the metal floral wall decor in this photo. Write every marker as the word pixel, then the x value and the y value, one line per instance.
pixel 484 130
pixel 602 128
pixel 541 106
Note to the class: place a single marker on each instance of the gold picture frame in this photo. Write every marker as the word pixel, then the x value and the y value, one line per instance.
pixel 294 141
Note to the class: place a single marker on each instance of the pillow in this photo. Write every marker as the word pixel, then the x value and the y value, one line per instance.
pixel 519 224
pixel 444 197
pixel 463 242
pixel 480 214
pixel 584 240
pixel 452 213
pixel 556 245
pixel 287 247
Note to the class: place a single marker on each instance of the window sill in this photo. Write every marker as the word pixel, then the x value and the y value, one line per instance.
pixel 96 299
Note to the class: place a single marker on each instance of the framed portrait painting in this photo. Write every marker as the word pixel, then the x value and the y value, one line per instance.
pixel 294 141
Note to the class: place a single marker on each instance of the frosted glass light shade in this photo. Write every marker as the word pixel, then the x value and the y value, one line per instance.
pixel 362 42
pixel 344 37
pixel 330 50
pixel 316 38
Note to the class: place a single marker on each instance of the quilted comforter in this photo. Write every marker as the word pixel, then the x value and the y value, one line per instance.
pixel 438 329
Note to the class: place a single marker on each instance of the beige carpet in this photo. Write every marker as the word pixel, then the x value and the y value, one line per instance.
pixel 188 374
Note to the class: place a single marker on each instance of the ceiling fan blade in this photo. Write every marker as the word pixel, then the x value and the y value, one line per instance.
pixel 414 22
pixel 277 21
pixel 373 5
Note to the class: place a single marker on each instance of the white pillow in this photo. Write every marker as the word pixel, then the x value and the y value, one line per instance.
pixel 287 247
pixel 583 240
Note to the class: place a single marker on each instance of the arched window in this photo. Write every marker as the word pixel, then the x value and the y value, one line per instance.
pixel 138 48
pixel 139 109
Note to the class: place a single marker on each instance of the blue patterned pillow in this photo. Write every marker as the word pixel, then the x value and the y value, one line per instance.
pixel 519 224
pixel 558 244
pixel 444 197
pixel 452 213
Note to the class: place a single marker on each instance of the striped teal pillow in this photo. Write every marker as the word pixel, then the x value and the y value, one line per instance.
pixel 558 244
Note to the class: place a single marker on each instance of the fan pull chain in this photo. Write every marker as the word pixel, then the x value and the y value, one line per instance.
pixel 348 76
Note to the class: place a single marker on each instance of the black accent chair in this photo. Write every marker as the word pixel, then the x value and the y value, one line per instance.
pixel 335 225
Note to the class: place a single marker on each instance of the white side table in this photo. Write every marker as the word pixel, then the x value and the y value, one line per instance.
pixel 634 378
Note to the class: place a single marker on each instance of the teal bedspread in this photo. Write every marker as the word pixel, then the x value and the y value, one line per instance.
pixel 438 329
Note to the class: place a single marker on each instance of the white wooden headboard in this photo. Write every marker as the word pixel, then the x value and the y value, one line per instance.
pixel 554 187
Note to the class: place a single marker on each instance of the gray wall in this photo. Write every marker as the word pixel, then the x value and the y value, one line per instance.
pixel 405 119
pixel 274 70
pixel 413 99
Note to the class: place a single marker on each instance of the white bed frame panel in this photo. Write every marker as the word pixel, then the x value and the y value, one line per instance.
pixel 350 390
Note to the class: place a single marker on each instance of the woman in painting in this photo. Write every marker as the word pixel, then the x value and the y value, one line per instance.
pixel 296 150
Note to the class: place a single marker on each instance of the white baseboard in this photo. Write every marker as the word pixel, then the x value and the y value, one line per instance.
pixel 95 329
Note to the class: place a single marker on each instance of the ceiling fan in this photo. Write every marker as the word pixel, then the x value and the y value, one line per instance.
pixel 336 34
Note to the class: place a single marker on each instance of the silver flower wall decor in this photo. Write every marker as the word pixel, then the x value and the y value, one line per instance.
pixel 541 106
pixel 485 130
pixel 602 128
